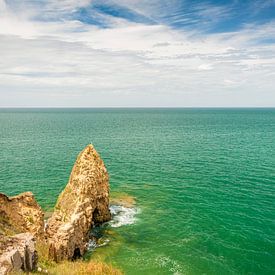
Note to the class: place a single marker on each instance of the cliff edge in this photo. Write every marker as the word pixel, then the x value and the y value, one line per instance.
pixel 20 214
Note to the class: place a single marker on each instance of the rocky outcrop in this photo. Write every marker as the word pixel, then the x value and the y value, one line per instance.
pixel 21 214
pixel 17 253
pixel 83 203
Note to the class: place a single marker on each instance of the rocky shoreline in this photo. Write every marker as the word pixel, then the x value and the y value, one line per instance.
pixel 83 203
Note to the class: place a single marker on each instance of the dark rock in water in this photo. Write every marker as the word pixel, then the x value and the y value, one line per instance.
pixel 83 203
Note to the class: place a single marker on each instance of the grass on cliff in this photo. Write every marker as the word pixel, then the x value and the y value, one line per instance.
pixel 83 268
pixel 79 267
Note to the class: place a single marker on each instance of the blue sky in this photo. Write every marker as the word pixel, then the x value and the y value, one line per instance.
pixel 177 53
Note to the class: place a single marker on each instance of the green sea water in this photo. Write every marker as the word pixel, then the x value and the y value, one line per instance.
pixel 203 179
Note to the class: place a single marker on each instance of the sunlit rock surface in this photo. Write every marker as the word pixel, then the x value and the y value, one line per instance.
pixel 83 203
pixel 17 253
pixel 20 214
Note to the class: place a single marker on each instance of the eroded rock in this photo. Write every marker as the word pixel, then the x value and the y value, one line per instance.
pixel 21 214
pixel 17 253
pixel 84 202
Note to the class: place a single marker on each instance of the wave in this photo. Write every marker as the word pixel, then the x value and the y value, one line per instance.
pixel 122 215
pixel 93 244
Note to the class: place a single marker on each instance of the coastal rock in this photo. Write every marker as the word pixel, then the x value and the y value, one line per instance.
pixel 83 203
pixel 20 214
pixel 17 253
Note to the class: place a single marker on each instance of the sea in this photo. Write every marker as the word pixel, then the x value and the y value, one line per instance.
pixel 203 181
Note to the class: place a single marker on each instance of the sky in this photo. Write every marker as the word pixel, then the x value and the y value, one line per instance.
pixel 137 53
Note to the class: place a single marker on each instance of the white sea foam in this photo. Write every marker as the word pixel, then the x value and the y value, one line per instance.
pixel 166 262
pixel 122 215
pixel 93 244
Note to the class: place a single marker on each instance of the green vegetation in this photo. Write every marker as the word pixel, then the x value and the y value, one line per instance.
pixel 30 219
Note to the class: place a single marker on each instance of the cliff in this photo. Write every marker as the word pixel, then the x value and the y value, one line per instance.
pixel 17 253
pixel 19 214
pixel 83 203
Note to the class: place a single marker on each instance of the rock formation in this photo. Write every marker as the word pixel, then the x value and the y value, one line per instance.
pixel 21 214
pixel 17 215
pixel 17 253
pixel 83 203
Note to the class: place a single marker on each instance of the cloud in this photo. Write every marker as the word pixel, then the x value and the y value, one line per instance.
pixel 70 62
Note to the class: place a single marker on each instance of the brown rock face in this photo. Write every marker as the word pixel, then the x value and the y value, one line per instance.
pixel 84 202
pixel 17 253
pixel 21 214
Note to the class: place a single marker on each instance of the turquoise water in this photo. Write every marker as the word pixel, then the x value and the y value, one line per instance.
pixel 204 181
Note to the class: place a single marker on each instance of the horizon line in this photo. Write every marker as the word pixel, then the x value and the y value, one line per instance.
pixel 139 107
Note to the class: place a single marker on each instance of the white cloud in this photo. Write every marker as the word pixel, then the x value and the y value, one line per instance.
pixel 205 67
pixel 66 5
pixel 74 64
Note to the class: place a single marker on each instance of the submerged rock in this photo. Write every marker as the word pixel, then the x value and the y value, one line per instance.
pixel 123 199
pixel 83 203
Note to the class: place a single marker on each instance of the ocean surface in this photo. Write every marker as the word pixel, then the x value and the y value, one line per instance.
pixel 203 180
